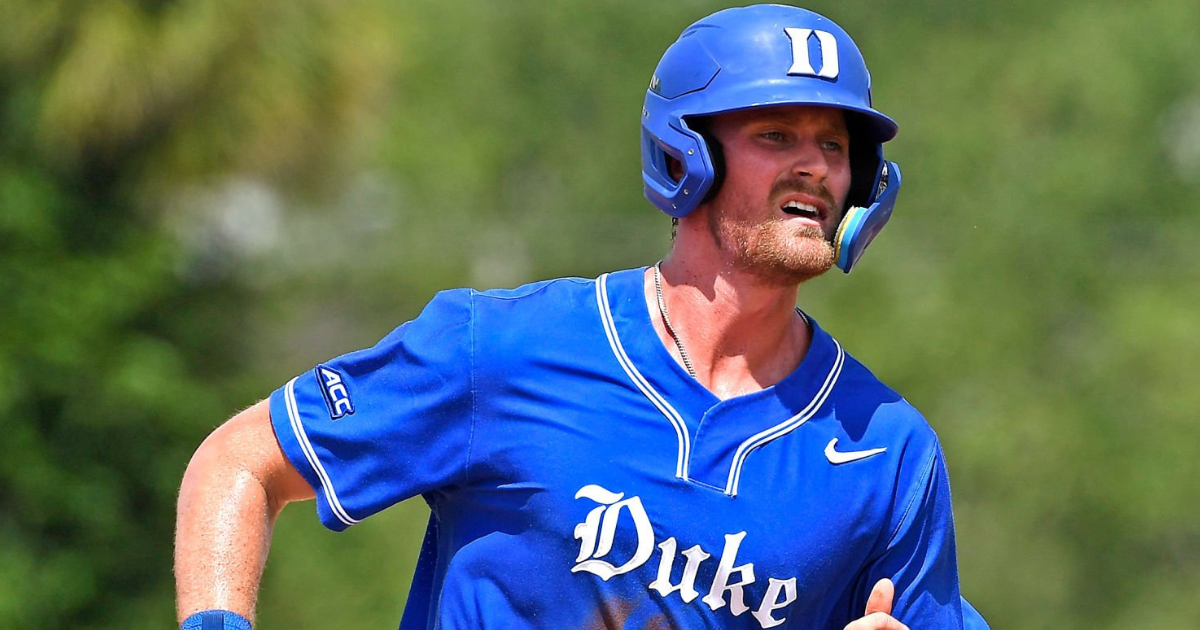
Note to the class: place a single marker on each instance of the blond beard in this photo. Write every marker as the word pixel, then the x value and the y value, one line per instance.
pixel 773 252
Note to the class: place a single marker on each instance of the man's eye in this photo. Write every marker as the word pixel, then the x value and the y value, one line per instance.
pixel 833 145
pixel 772 135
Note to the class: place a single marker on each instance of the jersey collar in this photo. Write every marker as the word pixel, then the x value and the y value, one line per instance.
pixel 715 436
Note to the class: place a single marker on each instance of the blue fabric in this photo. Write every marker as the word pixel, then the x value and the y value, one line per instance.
pixel 972 620
pixel 215 620
pixel 578 477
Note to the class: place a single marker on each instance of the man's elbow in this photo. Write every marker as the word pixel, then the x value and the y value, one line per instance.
pixel 242 457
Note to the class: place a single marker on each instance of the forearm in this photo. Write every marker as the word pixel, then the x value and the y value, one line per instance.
pixel 234 488
pixel 223 533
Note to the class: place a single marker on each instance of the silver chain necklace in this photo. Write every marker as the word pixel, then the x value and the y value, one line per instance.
pixel 662 308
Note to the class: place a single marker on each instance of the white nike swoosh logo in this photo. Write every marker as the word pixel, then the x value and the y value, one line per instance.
pixel 836 457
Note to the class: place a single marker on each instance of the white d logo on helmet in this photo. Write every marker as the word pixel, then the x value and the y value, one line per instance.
pixel 801 64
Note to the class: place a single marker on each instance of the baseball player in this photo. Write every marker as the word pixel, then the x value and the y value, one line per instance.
pixel 674 446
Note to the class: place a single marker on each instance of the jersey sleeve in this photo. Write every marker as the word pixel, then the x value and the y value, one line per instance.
pixel 380 425
pixel 920 556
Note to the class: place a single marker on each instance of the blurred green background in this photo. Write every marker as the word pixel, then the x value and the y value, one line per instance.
pixel 201 198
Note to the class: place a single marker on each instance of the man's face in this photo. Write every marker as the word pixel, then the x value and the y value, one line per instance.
pixel 787 174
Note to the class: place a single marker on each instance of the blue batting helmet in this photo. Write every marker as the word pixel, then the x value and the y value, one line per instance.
pixel 761 56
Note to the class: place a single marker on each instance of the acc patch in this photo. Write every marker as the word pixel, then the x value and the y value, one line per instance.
pixel 333 387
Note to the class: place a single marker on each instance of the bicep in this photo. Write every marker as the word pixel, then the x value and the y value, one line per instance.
pixel 247 443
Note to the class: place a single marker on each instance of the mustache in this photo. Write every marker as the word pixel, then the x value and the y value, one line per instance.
pixel 802 186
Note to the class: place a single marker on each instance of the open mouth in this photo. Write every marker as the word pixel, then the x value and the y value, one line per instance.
pixel 799 209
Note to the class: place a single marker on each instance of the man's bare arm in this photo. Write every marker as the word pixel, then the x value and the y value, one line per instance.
pixel 235 486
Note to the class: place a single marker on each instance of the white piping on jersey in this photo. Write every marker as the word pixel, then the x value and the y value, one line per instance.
pixel 298 428
pixel 610 329
pixel 787 426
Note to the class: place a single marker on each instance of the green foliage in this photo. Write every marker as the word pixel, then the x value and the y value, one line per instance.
pixel 120 349
pixel 201 198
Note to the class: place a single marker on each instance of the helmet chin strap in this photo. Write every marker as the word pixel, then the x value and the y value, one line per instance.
pixel 860 225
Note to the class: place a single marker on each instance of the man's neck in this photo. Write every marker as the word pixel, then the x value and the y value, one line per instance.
pixel 741 334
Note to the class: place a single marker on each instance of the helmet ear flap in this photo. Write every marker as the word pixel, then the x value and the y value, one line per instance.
pixel 874 184
pixel 676 194
pixel 861 224
pixel 716 155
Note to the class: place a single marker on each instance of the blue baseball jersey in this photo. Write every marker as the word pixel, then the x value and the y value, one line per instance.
pixel 578 477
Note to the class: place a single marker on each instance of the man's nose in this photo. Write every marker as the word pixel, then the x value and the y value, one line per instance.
pixel 809 161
